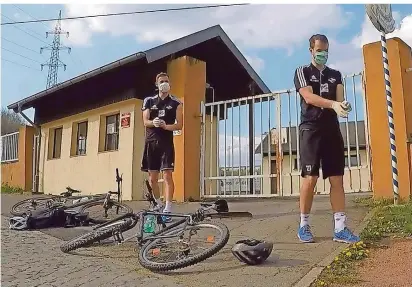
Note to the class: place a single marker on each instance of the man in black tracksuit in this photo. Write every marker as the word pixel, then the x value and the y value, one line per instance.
pixel 320 139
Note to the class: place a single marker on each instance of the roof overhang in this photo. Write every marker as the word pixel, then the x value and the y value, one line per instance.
pixel 150 56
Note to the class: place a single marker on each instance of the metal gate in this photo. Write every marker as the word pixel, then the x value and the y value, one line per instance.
pixel 250 147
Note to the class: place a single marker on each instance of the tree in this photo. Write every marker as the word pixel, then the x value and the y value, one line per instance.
pixel 10 121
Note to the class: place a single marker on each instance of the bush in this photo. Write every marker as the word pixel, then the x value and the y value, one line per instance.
pixel 6 188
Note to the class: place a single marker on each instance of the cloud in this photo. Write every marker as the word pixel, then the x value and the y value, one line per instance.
pixel 240 150
pixel 348 56
pixel 258 64
pixel 253 26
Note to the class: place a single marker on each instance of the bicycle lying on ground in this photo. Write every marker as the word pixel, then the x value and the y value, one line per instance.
pixel 153 245
pixel 103 202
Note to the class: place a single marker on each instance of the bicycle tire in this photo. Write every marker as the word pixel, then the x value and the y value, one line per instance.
pixel 98 234
pixel 14 210
pixel 160 267
pixel 124 207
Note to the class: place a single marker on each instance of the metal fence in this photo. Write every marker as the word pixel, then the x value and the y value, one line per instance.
pixel 10 147
pixel 250 146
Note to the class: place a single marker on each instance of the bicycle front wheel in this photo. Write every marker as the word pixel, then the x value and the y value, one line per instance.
pixel 100 214
pixel 96 235
pixel 31 204
pixel 164 254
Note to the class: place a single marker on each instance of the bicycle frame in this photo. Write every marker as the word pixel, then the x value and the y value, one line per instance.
pixel 139 217
pixel 106 197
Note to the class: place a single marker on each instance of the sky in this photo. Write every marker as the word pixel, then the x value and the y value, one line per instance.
pixel 273 38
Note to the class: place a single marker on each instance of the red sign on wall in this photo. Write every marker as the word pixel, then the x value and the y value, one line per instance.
pixel 125 120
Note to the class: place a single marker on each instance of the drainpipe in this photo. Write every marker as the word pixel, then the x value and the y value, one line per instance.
pixel 36 150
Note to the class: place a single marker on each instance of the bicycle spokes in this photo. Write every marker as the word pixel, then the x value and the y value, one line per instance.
pixel 191 243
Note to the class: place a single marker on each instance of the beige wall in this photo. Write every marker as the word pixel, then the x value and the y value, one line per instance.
pixel 95 172
pixel 354 180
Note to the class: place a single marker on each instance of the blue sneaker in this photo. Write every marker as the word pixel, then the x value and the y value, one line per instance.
pixel 305 234
pixel 346 236
pixel 166 219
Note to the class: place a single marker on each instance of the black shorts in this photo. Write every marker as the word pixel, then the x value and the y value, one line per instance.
pixel 158 156
pixel 321 147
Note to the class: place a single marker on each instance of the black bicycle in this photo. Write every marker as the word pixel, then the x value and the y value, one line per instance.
pixel 168 248
pixel 96 206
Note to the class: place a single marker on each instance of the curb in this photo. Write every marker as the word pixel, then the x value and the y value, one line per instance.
pixel 313 273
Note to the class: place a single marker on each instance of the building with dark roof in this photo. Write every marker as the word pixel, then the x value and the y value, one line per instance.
pixel 92 124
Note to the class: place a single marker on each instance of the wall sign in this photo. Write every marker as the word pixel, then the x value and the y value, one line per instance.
pixel 125 120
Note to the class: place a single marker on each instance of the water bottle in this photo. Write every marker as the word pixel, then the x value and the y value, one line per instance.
pixel 150 224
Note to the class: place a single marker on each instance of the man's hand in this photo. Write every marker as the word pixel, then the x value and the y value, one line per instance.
pixel 157 122
pixel 162 124
pixel 341 109
pixel 348 106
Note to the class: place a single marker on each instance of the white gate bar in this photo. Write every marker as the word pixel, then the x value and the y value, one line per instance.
pixel 253 155
pixel 269 144
pixel 225 148
pixel 297 101
pixel 218 146
pixel 289 135
pixel 279 157
pixel 203 149
pixel 347 134
pixel 232 158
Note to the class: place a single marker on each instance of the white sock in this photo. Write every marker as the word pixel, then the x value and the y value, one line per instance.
pixel 304 219
pixel 168 207
pixel 340 218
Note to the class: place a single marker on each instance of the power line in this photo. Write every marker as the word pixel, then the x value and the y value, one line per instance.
pixel 20 55
pixel 20 65
pixel 30 15
pixel 124 13
pixel 20 45
pixel 71 57
pixel 26 32
pixel 54 63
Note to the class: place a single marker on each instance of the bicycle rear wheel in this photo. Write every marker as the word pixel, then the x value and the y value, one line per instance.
pixel 184 256
pixel 98 234
pixel 99 214
pixel 31 204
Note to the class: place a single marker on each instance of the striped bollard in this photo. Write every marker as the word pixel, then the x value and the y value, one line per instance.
pixel 395 183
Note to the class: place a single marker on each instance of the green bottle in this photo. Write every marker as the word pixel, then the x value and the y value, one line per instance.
pixel 150 224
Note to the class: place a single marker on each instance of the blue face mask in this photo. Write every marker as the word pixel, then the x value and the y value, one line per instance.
pixel 321 57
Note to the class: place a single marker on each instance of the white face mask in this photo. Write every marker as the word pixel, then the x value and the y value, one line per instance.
pixel 164 87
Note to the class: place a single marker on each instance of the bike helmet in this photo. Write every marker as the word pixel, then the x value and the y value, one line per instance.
pixel 18 223
pixel 221 205
pixel 252 251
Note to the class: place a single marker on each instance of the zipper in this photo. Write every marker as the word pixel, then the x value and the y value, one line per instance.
pixel 320 92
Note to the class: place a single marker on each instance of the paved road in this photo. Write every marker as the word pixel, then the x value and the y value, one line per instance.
pixel 33 258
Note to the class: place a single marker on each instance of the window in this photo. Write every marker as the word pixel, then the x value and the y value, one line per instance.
pixel 57 142
pixel 81 138
pixel 353 160
pixel 112 133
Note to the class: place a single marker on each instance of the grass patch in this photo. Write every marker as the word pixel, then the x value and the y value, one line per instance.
pixel 387 220
pixel 5 188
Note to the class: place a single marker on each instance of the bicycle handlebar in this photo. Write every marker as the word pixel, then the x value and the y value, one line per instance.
pixel 69 192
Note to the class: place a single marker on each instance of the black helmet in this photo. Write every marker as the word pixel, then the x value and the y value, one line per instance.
pixel 221 205
pixel 252 251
